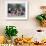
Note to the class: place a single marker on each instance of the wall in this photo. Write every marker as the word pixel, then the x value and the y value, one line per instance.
pixel 27 27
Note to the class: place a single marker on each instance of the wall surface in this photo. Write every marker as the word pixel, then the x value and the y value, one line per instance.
pixel 28 27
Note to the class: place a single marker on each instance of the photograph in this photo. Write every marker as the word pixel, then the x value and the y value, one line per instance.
pixel 16 10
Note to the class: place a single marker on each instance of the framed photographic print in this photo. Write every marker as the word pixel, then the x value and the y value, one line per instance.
pixel 16 10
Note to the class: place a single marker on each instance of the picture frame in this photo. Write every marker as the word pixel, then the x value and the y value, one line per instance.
pixel 16 10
